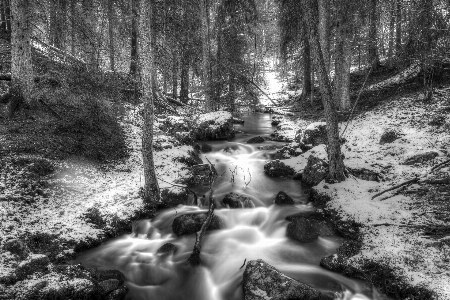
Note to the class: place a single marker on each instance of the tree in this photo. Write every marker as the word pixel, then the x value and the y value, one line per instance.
pixel 324 30
pixel 22 77
pixel 58 21
pixel 134 55
pixel 335 158
pixel 111 25
pixel 89 37
pixel 343 55
pixel 373 57
pixel 206 53
pixel 147 45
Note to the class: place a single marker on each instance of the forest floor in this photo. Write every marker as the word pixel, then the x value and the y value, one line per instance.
pixel 405 233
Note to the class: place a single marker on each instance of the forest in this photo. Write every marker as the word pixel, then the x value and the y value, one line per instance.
pixel 224 149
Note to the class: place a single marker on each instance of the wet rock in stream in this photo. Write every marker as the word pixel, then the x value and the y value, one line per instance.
pixel 282 198
pixel 315 171
pixel 256 140
pixel 234 200
pixel 263 281
pixel 276 168
pixel 167 248
pixel 307 230
pixel 191 223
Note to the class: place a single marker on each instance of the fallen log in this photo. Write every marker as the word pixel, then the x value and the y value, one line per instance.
pixel 194 258
pixel 438 166
pixel 408 182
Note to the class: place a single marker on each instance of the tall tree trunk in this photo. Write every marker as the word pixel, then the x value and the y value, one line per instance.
pixel 342 59
pixel 306 90
pixel 324 31
pixel 22 78
pixel 398 28
pixel 148 75
pixel 58 19
pixel 373 57
pixel 335 158
pixel 134 55
pixel 73 31
pixel 231 92
pixel 89 35
pixel 174 74
pixel 391 34
pixel 184 82
pixel 206 75
pixel 112 63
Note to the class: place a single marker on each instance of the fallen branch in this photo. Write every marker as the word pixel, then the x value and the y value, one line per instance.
pixel 396 186
pixel 245 260
pixel 438 181
pixel 438 166
pixel 194 259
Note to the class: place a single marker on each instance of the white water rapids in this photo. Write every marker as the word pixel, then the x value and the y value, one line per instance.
pixel 258 233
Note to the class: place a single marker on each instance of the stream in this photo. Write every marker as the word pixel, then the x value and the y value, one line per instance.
pixel 249 234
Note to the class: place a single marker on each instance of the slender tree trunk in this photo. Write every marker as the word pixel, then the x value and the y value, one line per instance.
pixel 174 74
pixel 306 90
pixel 391 34
pixel 373 57
pixel 58 19
pixel 134 55
pixel 231 92
pixel 398 28
pixel 184 82
pixel 148 74
pixel 72 26
pixel 89 36
pixel 335 158
pixel 112 53
pixel 324 30
pixel 22 78
pixel 206 75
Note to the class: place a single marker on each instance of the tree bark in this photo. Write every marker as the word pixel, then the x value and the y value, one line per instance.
pixel 111 23
pixel 22 78
pixel 89 35
pixel 391 34
pixel 324 31
pixel 306 90
pixel 174 74
pixel 398 28
pixel 335 158
pixel 72 27
pixel 58 19
pixel 206 75
pixel 147 42
pixel 184 82
pixel 343 59
pixel 373 57
pixel 134 55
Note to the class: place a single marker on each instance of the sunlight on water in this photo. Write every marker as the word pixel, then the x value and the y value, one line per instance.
pixel 258 233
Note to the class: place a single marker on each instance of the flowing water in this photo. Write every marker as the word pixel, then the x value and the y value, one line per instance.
pixel 258 233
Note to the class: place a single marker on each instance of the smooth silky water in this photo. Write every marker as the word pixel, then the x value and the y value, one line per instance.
pixel 258 233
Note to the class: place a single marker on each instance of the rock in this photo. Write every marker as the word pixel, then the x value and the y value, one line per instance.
pixel 315 171
pixel 191 223
pixel 276 168
pixel 255 140
pixel 276 120
pixel 307 230
pixel 420 158
pixel 298 176
pixel 184 137
pixel 17 247
pixel 364 174
pixel 315 134
pixel 216 125
pixel 167 248
pixel 109 285
pixel 388 136
pixel 283 198
pixel 118 294
pixel 34 263
pixel 262 281
pixel 200 175
pixel 234 200
pixel 238 121
pixel 104 275
pixel 288 151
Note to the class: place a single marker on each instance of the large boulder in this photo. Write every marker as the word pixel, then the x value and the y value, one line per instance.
pixel 191 223
pixel 282 198
pixel 234 200
pixel 216 125
pixel 420 158
pixel 201 174
pixel 315 171
pixel 364 173
pixel 167 248
pixel 276 168
pixel 256 140
pixel 262 281
pixel 16 247
pixel 307 230
pixel 315 134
